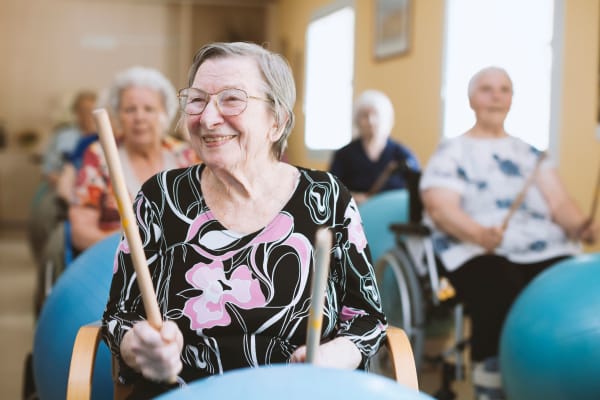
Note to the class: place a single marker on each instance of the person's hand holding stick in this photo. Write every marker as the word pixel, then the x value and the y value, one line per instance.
pixel 146 336
pixel 339 352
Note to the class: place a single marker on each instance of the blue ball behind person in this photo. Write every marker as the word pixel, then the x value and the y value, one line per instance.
pixel 550 343
pixel 295 382
pixel 78 298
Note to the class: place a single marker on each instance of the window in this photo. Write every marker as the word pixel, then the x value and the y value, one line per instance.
pixel 329 74
pixel 519 36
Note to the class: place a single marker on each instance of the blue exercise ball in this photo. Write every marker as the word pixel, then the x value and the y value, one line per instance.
pixel 377 213
pixel 550 342
pixel 78 298
pixel 295 382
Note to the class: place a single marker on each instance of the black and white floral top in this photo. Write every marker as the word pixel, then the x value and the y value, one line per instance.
pixel 243 300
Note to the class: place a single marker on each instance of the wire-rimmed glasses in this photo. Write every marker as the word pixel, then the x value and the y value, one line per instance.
pixel 229 101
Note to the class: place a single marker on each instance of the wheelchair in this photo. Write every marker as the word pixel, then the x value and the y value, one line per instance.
pixel 411 284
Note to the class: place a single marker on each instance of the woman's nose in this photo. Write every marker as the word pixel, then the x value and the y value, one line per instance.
pixel 211 114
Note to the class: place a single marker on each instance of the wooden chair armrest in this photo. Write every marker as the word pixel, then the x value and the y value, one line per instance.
pixel 403 361
pixel 81 370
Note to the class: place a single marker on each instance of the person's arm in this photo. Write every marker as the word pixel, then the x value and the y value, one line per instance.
pixel 563 208
pixel 443 207
pixel 65 183
pixel 89 193
pixel 85 227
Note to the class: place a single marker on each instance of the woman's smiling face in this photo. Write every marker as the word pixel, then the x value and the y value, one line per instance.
pixel 142 116
pixel 232 141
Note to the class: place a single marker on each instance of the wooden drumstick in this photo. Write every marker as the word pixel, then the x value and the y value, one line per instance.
pixel 521 196
pixel 383 178
pixel 107 140
pixel 323 243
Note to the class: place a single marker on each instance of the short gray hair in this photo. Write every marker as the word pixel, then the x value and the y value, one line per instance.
pixel 277 75
pixel 475 78
pixel 380 102
pixel 143 77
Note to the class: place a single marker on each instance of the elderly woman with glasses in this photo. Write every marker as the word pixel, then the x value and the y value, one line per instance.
pixel 230 242
pixel 143 103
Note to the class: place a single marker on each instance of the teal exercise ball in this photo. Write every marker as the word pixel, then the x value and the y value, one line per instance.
pixel 77 298
pixel 295 382
pixel 550 342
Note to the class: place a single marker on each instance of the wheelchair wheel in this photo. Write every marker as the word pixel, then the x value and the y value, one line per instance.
pixel 402 297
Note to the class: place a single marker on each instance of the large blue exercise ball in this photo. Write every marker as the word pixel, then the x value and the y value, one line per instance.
pixel 377 213
pixel 550 342
pixel 78 298
pixel 295 382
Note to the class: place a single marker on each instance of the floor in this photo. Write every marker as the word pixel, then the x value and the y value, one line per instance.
pixel 17 272
pixel 17 278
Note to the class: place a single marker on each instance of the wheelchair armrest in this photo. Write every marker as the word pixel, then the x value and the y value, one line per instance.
pixel 81 370
pixel 410 228
pixel 403 361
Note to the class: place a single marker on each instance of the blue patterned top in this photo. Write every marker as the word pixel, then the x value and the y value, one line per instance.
pixel 243 300
pixel 489 174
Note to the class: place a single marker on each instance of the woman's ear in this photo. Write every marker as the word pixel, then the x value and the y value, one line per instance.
pixel 277 128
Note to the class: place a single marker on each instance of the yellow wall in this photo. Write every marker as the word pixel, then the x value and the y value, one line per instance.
pixel 413 81
pixel 579 149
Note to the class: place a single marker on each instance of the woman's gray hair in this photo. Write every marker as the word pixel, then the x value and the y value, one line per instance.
pixel 380 102
pixel 280 87
pixel 475 78
pixel 143 77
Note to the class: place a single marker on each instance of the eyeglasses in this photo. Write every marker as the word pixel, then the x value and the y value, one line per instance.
pixel 229 102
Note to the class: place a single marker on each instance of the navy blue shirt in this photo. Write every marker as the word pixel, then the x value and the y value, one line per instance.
pixel 354 168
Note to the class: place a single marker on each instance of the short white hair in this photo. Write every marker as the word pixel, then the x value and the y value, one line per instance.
pixel 143 77
pixel 475 78
pixel 380 102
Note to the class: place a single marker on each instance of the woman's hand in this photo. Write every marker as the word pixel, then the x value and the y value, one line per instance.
pixel 337 353
pixel 156 354
pixel 588 233
pixel 490 237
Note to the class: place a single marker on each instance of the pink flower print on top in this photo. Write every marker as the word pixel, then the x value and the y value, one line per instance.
pixel 356 234
pixel 123 248
pixel 278 230
pixel 349 313
pixel 208 309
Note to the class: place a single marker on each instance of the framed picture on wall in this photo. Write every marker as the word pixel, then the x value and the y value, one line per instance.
pixel 392 27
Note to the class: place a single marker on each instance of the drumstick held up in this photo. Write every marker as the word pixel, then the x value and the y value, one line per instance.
pixel 521 196
pixel 109 146
pixel 323 245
